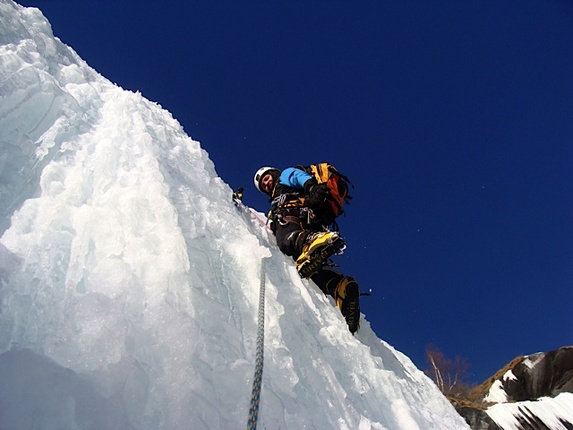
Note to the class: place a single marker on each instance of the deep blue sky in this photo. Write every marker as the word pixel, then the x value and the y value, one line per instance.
pixel 453 119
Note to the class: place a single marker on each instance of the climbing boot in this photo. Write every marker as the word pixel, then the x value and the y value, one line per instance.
pixel 318 248
pixel 347 296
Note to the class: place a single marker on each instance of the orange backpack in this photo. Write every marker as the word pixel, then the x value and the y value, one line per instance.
pixel 336 182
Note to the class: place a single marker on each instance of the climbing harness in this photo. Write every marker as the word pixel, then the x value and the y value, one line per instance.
pixel 256 392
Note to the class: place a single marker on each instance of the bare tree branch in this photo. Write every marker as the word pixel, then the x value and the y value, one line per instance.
pixel 448 374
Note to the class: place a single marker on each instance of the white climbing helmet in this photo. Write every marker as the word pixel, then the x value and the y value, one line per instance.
pixel 262 172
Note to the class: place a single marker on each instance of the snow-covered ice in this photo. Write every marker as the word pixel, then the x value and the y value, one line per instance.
pixel 129 282
pixel 551 411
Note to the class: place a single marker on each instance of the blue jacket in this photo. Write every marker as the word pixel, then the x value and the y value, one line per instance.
pixel 294 178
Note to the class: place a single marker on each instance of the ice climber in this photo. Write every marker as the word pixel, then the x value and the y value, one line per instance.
pixel 301 211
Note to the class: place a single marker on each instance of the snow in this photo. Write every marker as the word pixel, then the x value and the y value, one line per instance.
pixel 496 393
pixel 551 411
pixel 129 282
pixel 532 360
pixel 509 376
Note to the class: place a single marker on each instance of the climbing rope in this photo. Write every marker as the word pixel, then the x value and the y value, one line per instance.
pixel 256 393
pixel 238 201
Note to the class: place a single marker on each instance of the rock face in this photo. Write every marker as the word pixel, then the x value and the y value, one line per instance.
pixel 541 375
pixel 478 419
pixel 531 392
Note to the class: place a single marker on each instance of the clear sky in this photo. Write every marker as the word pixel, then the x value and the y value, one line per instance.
pixel 454 120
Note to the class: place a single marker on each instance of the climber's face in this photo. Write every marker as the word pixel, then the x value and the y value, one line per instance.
pixel 267 183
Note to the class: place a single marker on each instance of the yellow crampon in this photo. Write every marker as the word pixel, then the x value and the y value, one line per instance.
pixel 317 250
pixel 347 297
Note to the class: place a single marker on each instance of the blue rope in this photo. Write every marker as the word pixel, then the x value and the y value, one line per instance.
pixel 256 393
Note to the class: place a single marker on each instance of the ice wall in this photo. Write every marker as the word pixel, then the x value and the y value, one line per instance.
pixel 129 281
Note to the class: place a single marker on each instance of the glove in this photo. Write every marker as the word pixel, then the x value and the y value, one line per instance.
pixel 317 195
